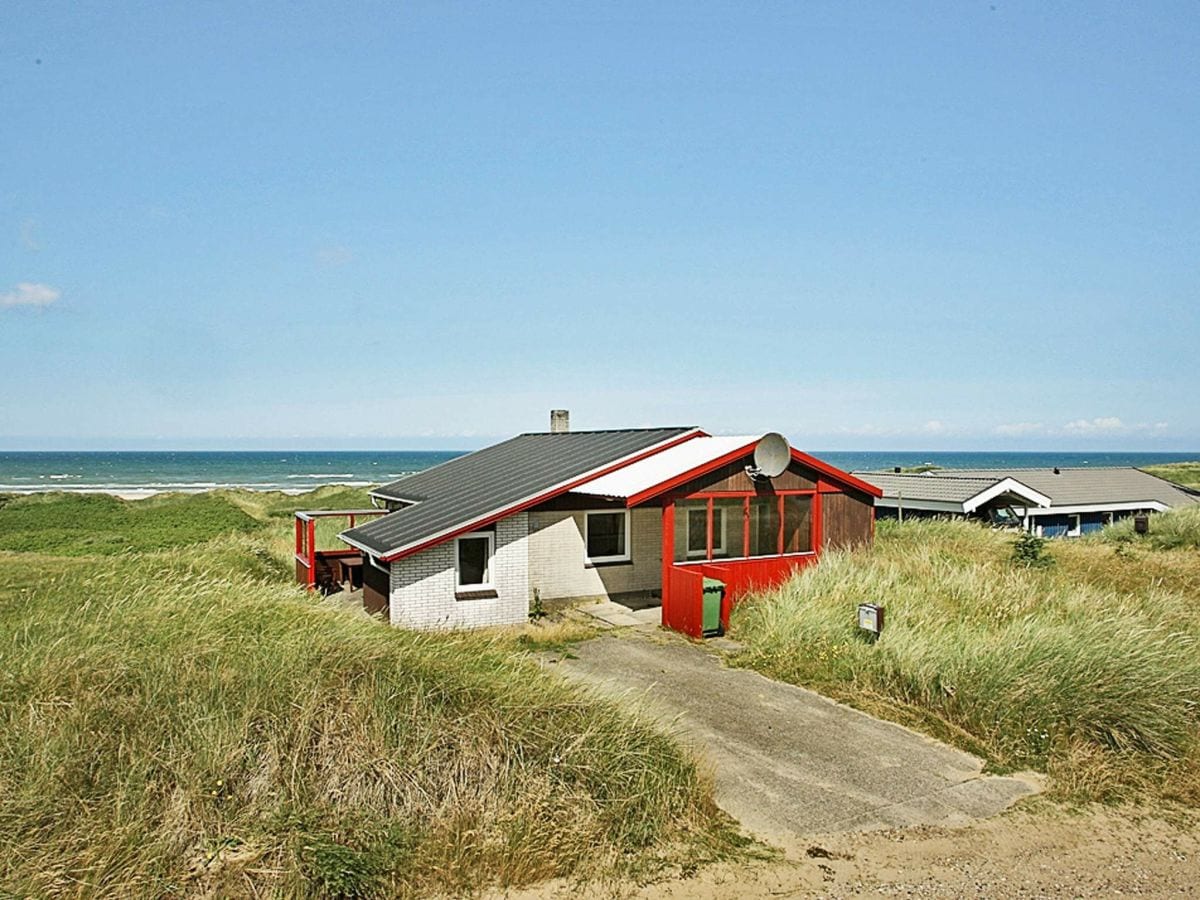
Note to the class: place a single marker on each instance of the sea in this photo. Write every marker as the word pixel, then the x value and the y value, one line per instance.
pixel 141 473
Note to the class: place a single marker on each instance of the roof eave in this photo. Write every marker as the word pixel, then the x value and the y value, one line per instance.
pixel 488 518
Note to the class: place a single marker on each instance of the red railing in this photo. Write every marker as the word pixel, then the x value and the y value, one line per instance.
pixel 311 562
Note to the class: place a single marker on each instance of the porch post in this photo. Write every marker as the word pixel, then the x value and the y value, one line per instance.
pixel 312 552
pixel 668 555
pixel 818 526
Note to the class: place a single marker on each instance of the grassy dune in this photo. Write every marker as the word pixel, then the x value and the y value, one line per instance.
pixel 1186 473
pixel 1088 669
pixel 184 721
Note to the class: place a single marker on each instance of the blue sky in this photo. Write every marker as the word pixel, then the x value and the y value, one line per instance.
pixel 935 226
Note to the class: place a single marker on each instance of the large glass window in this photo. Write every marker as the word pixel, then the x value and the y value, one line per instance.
pixel 607 535
pixel 797 523
pixel 691 530
pixel 764 526
pixel 697 532
pixel 473 560
pixel 729 519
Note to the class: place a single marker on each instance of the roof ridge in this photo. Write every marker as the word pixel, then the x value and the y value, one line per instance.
pixel 915 474
pixel 611 430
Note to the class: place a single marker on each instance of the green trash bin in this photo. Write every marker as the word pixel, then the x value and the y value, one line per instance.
pixel 714 593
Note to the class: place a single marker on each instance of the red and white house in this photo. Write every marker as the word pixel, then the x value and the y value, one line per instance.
pixel 642 517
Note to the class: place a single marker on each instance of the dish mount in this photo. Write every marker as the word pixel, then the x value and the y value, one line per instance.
pixel 771 457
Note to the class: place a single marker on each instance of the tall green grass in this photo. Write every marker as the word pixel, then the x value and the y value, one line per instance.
pixel 186 721
pixel 1179 529
pixel 1038 668
pixel 81 524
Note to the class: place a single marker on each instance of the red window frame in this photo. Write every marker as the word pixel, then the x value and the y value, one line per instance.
pixel 814 531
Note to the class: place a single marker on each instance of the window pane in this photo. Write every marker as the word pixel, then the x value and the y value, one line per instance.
pixel 729 519
pixel 797 524
pixel 473 561
pixel 605 535
pixel 764 526
pixel 691 529
pixel 697 531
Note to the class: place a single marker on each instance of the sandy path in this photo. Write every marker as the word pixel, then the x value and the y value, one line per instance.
pixel 1049 853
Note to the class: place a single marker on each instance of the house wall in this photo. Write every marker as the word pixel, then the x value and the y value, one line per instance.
pixel 557 554
pixel 847 520
pixel 733 477
pixel 423 585
pixel 376 588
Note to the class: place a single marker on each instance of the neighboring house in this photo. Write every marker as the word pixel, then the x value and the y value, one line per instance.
pixel 1047 502
pixel 643 516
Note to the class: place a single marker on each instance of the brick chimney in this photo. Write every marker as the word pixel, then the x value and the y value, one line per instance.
pixel 560 421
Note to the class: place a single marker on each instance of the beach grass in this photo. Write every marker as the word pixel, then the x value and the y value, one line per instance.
pixel 69 524
pixel 182 720
pixel 1185 473
pixel 1087 669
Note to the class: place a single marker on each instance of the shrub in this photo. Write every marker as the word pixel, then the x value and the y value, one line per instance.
pixel 1029 550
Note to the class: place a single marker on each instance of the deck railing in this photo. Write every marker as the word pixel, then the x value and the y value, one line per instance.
pixel 308 557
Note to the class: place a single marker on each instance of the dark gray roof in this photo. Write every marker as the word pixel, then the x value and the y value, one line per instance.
pixel 950 488
pixel 484 484
pixel 1071 487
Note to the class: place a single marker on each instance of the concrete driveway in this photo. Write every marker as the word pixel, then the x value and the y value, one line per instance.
pixel 787 760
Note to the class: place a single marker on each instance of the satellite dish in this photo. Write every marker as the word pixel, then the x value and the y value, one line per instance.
pixel 772 455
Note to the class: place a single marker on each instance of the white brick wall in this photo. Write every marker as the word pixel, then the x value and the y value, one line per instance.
pixel 423 585
pixel 557 557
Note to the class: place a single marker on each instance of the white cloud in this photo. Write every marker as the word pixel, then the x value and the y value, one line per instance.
pixel 933 426
pixel 28 293
pixel 1018 429
pixel 1099 425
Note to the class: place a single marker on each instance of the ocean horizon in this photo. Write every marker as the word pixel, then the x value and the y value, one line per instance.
pixel 146 472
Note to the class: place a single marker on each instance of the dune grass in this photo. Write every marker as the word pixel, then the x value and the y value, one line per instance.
pixel 184 721
pixel 1085 669
pixel 1178 530
pixel 1185 473
pixel 82 524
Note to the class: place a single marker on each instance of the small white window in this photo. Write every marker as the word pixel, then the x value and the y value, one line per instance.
pixel 473 560
pixel 1073 526
pixel 606 536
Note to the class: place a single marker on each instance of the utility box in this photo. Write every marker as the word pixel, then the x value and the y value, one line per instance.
pixel 1141 523
pixel 714 594
pixel 870 618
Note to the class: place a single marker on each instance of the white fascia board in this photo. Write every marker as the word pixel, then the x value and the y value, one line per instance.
pixel 393 498
pixel 356 545
pixel 1124 506
pixel 1005 486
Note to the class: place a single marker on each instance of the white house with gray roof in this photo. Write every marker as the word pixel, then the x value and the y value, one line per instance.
pixel 670 517
pixel 1050 502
